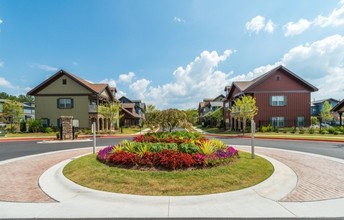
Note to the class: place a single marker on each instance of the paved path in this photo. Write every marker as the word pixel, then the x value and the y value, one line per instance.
pixel 318 178
pixel 19 178
pixel 302 185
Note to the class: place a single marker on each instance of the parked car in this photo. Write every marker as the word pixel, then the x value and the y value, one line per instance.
pixel 325 125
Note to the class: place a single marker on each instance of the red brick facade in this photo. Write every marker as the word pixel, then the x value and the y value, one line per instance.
pixel 283 99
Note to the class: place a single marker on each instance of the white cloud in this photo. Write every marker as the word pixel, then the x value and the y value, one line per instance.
pixel 111 82
pixel 321 63
pixel 2 63
pixel 126 77
pixel 335 18
pixel 296 28
pixel 139 87
pixel 44 67
pixel 179 20
pixel 270 27
pixel 316 59
pixel 120 93
pixel 190 84
pixel 258 23
pixel 6 84
pixel 1 21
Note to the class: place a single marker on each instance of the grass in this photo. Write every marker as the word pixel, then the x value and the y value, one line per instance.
pixel 245 172
pixel 11 135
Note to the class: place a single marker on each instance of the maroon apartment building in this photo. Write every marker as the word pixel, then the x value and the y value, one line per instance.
pixel 283 99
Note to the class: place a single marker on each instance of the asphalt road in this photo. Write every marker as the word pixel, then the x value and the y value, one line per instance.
pixel 331 149
pixel 14 149
pixel 10 150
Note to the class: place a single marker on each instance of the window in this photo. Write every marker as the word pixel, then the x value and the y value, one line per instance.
pixel 278 100
pixel 45 122
pixel 300 121
pixel 64 81
pixel 277 121
pixel 278 78
pixel 64 103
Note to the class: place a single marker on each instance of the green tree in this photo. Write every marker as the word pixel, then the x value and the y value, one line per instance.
pixel 314 120
pixel 325 114
pixel 172 118
pixel 191 115
pixel 35 125
pixel 111 111
pixel 12 113
pixel 245 109
pixel 152 117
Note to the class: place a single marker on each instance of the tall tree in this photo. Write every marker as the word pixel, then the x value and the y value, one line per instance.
pixel 152 116
pixel 12 113
pixel 245 109
pixel 111 111
pixel 325 114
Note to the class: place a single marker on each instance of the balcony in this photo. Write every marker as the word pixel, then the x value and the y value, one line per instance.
pixel 92 108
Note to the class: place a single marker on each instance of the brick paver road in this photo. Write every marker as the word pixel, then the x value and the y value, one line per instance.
pixel 19 179
pixel 318 178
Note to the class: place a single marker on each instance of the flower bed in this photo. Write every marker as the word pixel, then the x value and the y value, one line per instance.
pixel 168 151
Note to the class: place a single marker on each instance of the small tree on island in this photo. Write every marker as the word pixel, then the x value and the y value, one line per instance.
pixel 244 109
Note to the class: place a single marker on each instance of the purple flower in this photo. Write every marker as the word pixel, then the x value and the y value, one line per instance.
pixel 104 153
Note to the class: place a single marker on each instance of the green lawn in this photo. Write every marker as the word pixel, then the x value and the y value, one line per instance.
pixel 245 172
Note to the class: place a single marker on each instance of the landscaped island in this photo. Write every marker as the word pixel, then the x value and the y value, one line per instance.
pixel 169 151
pixel 166 164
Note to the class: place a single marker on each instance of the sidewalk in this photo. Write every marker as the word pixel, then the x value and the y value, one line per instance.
pixel 303 185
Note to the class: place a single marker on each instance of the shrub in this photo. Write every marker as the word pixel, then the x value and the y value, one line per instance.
pixel 189 148
pixel 286 130
pixel 311 130
pixel 301 130
pixel 217 144
pixel 293 130
pixel 123 158
pixel 171 160
pixel 276 129
pixel 323 131
pixel 207 148
pixel 331 130
pixel 266 128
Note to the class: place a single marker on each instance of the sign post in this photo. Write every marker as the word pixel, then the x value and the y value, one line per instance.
pixel 94 137
pixel 253 130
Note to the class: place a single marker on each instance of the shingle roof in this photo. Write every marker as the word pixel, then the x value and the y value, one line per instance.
pixel 96 88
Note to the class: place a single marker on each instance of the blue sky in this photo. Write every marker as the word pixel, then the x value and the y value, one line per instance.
pixel 171 53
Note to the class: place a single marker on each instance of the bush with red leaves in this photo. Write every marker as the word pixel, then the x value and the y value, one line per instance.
pixel 172 160
pixel 123 158
pixel 146 160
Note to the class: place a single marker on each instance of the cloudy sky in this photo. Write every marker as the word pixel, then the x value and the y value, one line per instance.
pixel 171 53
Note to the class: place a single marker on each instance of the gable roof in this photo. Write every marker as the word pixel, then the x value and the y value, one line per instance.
pixel 96 88
pixel 324 100
pixel 339 107
pixel 245 86
pixel 131 113
pixel 261 78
